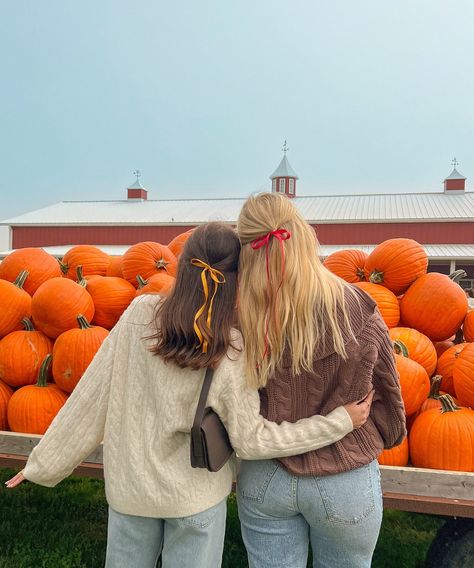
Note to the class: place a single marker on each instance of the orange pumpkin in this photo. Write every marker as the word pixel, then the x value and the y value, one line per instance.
pixel 446 365
pixel 32 408
pixel 16 304
pixel 92 259
pixel 463 376
pixel 442 346
pixel 40 266
pixel 386 301
pixel 468 326
pixel 115 267
pixel 444 439
pixel 177 244
pixel 21 355
pixel 5 396
pixel 111 296
pixel 395 456
pixel 57 303
pixel 146 259
pixel 434 305
pixel 347 264
pixel 73 352
pixel 419 347
pixel 414 382
pixel 396 263
pixel 433 397
pixel 158 284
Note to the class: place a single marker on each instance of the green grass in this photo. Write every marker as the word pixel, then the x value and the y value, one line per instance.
pixel 66 527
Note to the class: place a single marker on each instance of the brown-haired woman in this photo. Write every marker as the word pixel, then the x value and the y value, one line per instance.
pixel 139 396
pixel 312 342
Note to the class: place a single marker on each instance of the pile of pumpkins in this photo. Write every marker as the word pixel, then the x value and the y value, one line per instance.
pixel 54 316
pixel 433 337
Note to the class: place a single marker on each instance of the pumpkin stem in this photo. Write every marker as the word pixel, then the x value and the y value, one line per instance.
pixel 376 277
pixel 141 282
pixel 400 348
pixel 21 278
pixel 162 264
pixel 458 275
pixel 80 277
pixel 448 404
pixel 360 274
pixel 83 323
pixel 435 385
pixel 27 324
pixel 64 267
pixel 44 371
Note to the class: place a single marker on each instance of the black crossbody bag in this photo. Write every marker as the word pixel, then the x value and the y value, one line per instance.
pixel 210 444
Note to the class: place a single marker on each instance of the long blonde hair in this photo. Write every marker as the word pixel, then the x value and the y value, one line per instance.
pixel 297 304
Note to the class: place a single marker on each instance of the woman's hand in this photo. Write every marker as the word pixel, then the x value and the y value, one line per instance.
pixel 359 411
pixel 14 481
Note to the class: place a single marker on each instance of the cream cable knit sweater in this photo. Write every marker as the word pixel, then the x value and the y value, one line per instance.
pixel 143 410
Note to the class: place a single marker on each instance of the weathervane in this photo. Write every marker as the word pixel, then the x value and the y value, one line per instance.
pixel 455 163
pixel 137 173
pixel 285 148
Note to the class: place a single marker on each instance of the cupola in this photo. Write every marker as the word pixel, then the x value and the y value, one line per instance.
pixel 284 177
pixel 455 182
pixel 136 191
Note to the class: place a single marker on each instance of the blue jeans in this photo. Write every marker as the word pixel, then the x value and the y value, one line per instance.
pixel 196 541
pixel 281 513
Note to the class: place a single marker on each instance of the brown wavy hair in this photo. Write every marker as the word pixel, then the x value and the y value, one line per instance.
pixel 217 245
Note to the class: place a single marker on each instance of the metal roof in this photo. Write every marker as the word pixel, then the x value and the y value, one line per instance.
pixel 455 175
pixel 368 208
pixel 284 170
pixel 434 252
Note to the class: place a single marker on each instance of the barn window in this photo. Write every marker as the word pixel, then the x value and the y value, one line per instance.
pixel 291 187
pixel 282 185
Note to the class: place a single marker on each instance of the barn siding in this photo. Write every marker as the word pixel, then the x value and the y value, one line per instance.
pixel 337 234
pixel 51 236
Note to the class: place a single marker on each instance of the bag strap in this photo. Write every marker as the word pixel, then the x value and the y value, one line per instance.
pixel 206 385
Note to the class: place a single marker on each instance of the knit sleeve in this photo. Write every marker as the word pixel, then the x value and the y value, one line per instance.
pixel 253 437
pixel 78 428
pixel 388 411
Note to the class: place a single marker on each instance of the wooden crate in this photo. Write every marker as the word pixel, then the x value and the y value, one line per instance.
pixel 436 492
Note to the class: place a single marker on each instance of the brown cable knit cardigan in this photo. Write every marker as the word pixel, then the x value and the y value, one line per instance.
pixel 336 381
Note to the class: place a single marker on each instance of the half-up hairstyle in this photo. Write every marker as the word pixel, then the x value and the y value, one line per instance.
pixel 287 298
pixel 200 342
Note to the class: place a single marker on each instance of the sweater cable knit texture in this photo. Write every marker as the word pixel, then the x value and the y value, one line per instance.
pixel 335 381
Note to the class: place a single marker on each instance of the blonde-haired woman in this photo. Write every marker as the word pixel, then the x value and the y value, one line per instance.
pixel 312 342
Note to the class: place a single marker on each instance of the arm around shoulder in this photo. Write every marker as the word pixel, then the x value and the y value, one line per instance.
pixel 253 437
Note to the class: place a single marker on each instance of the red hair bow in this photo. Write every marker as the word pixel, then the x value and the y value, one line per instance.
pixel 259 242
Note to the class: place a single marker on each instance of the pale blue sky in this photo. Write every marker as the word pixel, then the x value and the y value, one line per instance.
pixel 373 96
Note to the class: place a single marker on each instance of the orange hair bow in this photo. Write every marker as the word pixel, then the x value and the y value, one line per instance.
pixel 218 278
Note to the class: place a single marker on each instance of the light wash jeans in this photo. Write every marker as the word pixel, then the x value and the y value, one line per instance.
pixel 196 541
pixel 280 513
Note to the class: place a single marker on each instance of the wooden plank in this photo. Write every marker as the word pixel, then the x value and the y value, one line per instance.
pixel 428 482
pixel 405 488
pixel 429 505
pixel 84 469
pixel 22 444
